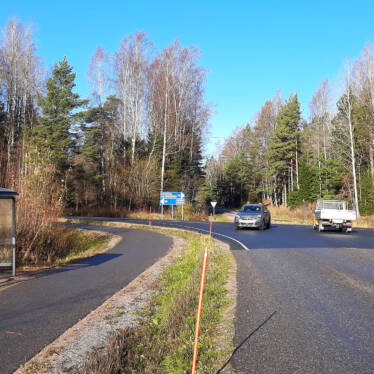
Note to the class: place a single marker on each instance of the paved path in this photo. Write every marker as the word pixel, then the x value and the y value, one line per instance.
pixel 35 312
pixel 305 299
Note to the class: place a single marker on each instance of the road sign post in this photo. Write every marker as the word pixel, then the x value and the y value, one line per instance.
pixel 172 198
pixel 304 213
pixel 214 203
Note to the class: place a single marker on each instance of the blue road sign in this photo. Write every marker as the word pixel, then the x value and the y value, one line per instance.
pixel 172 198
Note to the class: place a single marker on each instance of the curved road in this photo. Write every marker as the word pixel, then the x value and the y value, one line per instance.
pixel 35 312
pixel 305 299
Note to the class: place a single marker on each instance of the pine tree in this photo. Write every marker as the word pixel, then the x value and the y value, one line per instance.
pixel 284 145
pixel 309 187
pixel 53 134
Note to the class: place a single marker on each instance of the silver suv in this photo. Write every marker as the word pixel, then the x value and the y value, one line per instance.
pixel 253 215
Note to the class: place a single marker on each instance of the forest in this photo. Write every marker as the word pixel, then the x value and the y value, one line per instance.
pixel 143 128
pixel 282 158
pixel 140 132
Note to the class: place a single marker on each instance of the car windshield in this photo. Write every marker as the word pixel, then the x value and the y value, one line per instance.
pixel 251 209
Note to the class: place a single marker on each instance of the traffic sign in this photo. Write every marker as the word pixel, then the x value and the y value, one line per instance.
pixel 172 198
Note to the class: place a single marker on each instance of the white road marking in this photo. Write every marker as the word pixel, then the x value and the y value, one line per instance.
pixel 217 233
pixel 166 224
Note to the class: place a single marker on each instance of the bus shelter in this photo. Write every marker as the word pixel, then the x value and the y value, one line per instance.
pixel 8 229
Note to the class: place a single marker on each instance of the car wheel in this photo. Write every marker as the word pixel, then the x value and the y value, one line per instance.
pixel 262 226
pixel 269 223
pixel 236 227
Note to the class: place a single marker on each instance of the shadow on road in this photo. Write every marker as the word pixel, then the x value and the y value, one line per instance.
pixel 245 340
pixel 88 262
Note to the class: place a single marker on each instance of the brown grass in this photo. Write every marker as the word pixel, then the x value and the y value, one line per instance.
pixel 293 215
pixel 365 222
pixel 297 216
pixel 190 214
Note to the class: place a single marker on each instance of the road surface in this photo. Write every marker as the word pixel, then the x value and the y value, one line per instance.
pixel 35 312
pixel 305 299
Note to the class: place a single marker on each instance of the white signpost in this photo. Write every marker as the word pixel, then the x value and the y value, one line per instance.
pixel 214 203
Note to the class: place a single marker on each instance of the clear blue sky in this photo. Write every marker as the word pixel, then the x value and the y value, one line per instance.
pixel 251 48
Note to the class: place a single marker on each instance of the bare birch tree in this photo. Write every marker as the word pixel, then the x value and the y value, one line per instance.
pixel 19 82
pixel 364 89
pixel 130 67
pixel 321 123
pixel 176 102
pixel 98 73
pixel 345 106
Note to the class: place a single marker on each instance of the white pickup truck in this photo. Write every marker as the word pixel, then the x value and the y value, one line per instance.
pixel 333 213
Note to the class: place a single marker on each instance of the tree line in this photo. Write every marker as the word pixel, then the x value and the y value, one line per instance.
pixel 141 131
pixel 283 158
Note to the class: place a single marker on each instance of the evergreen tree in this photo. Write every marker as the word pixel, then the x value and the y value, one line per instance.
pixel 238 177
pixel 367 194
pixel 284 144
pixel 53 134
pixel 101 145
pixel 308 179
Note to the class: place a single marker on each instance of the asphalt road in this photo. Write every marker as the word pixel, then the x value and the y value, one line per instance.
pixel 305 299
pixel 35 312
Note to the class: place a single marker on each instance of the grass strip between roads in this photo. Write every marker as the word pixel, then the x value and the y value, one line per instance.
pixel 78 244
pixel 163 342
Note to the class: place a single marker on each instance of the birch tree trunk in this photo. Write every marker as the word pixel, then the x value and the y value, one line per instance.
pixel 348 113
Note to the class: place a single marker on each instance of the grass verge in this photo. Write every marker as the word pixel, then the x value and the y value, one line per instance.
pixel 73 245
pixel 222 218
pixel 88 244
pixel 163 342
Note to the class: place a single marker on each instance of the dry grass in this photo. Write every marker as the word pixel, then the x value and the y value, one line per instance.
pixel 293 215
pixel 190 214
pixel 365 222
pixel 60 245
pixel 297 216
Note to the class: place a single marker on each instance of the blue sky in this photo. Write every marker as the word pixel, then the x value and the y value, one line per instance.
pixel 251 48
